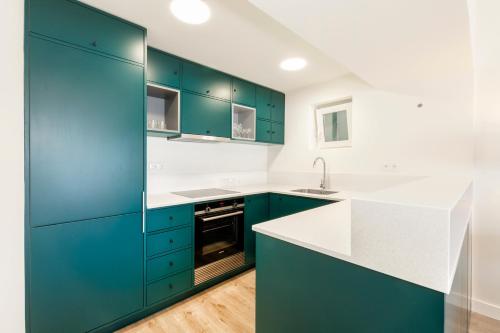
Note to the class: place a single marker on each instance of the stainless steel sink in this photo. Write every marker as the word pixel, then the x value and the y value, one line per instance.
pixel 314 191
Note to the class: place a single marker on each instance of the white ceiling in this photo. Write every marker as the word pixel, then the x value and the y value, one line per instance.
pixel 238 39
pixel 418 47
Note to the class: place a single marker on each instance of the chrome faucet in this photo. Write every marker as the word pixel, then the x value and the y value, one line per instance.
pixel 323 180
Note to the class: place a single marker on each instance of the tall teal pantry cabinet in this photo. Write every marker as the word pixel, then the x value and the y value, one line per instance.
pixel 85 139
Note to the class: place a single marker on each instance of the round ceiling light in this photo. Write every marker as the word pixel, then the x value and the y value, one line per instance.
pixel 190 11
pixel 293 64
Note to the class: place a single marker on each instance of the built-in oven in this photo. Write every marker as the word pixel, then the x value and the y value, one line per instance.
pixel 219 238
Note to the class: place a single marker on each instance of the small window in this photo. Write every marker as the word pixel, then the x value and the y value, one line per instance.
pixel 334 124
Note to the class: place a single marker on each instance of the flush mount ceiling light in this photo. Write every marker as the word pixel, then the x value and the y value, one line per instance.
pixel 190 11
pixel 293 64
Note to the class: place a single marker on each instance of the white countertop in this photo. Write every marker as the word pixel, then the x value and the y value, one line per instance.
pixel 412 231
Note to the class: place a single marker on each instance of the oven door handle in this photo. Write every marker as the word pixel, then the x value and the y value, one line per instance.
pixel 207 219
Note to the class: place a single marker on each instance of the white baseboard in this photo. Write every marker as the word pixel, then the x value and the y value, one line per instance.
pixel 486 309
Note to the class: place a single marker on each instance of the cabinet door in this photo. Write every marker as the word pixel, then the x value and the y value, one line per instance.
pixel 263 131
pixel 86 274
pixel 277 133
pixel 163 69
pixel 73 22
pixel 276 206
pixel 205 116
pixel 86 134
pixel 243 92
pixel 256 211
pixel 264 103
pixel 278 107
pixel 206 81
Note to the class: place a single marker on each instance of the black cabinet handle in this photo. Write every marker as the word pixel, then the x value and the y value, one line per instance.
pixel 208 131
pixel 208 91
pixel 268 131
pixel 268 104
pixel 171 264
pixel 175 73
pixel 170 286
pixel 273 132
pixel 94 43
pixel 234 90
pixel 171 241
pixel 170 218
pixel 274 106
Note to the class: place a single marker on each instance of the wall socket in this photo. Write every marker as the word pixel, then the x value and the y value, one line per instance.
pixel 155 166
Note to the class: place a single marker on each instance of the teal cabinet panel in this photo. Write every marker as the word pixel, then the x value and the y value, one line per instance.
pixel 264 103
pixel 206 81
pixel 85 274
pixel 73 22
pixel 205 116
pixel 312 292
pixel 168 287
pixel 263 131
pixel 282 205
pixel 86 134
pixel 168 241
pixel 278 107
pixel 163 69
pixel 277 133
pixel 169 264
pixel 256 211
pixel 164 218
pixel 243 92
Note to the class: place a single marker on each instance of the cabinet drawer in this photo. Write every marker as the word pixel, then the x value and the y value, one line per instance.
pixel 169 264
pixel 163 68
pixel 205 116
pixel 169 287
pixel 78 24
pixel 206 81
pixel 168 241
pixel 169 217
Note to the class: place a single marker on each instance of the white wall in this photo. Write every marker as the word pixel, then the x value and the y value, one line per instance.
pixel 12 167
pixel 391 135
pixel 175 166
pixel 485 28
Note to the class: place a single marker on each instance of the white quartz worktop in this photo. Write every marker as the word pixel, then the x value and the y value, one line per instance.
pixel 412 231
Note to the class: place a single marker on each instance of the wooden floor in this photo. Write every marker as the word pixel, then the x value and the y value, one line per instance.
pixel 230 308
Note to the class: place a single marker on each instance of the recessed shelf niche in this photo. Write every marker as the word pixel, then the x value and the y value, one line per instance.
pixel 243 122
pixel 163 109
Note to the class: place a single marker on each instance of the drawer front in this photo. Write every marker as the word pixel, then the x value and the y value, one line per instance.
pixel 158 219
pixel 163 69
pixel 169 264
pixel 75 23
pixel 206 81
pixel 169 241
pixel 243 92
pixel 169 287
pixel 205 116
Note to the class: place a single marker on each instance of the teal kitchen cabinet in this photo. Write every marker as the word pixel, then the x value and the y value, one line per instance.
pixel 205 116
pixel 282 205
pixel 269 132
pixel 300 290
pixel 206 81
pixel 86 274
pixel 169 287
pixel 264 103
pixel 163 69
pixel 86 114
pixel 167 241
pixel 169 264
pixel 270 105
pixel 278 107
pixel 243 92
pixel 256 211
pixel 76 23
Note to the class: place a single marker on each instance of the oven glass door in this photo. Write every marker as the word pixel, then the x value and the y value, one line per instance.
pixel 218 236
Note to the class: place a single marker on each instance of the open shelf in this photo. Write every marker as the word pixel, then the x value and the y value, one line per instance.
pixel 243 122
pixel 163 111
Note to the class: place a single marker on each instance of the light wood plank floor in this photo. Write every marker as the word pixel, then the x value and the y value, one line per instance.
pixel 230 308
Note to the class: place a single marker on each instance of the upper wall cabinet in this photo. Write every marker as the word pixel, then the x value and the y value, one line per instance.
pixel 75 23
pixel 163 69
pixel 243 92
pixel 270 105
pixel 202 115
pixel 206 81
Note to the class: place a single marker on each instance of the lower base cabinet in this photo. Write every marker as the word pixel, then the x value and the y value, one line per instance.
pixel 169 287
pixel 256 211
pixel 282 205
pixel 86 274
